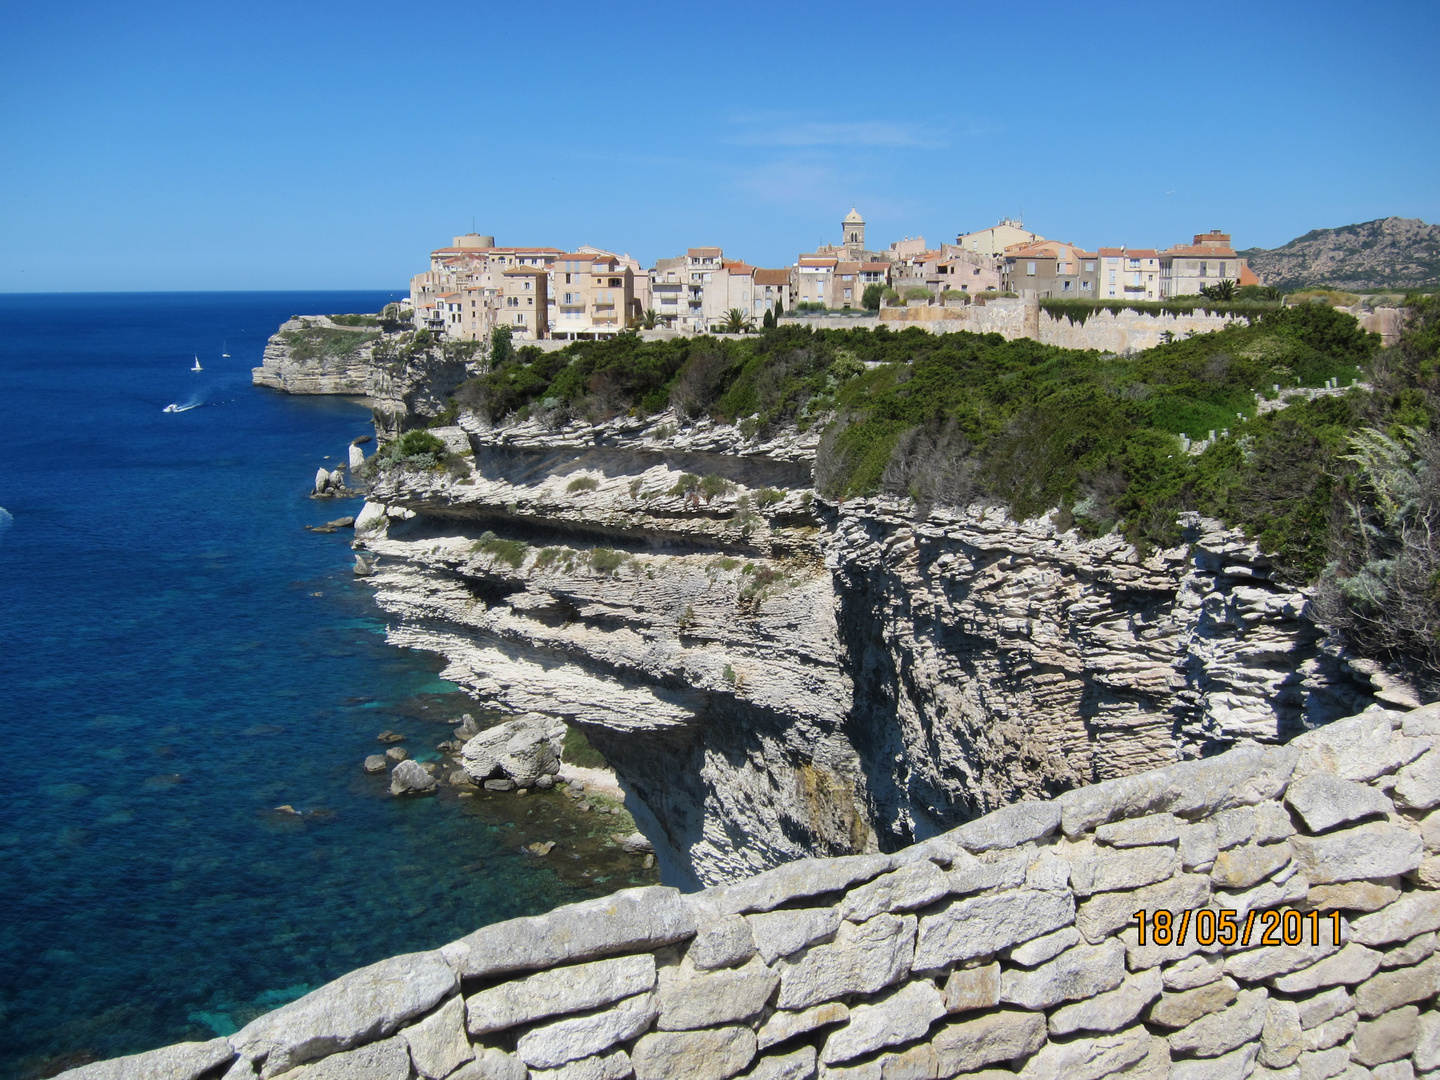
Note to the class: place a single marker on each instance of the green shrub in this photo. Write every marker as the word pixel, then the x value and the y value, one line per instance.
pixel 917 292
pixel 871 297
pixel 607 560
pixel 324 343
pixel 955 294
pixel 506 551
pixel 355 320
pixel 418 449
pixel 582 483
pixel 768 497
pixel 713 486
pixel 688 484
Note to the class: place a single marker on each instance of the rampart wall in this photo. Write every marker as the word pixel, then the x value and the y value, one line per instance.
pixel 1008 946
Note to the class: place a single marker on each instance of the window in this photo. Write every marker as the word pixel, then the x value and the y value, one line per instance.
pixel 1134 264
pixel 847 294
pixel 1084 286
pixel 1222 269
pixel 1089 268
pixel 1112 282
pixel 1030 269
pixel 1204 269
pixel 1065 286
pixel 519 319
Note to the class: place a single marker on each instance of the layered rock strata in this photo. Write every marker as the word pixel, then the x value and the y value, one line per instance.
pixel 402 387
pixel 773 676
pixel 1008 946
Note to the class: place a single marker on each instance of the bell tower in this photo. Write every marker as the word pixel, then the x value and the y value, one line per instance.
pixel 852 229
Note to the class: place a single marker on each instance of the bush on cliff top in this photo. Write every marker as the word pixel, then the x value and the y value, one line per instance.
pixel 953 417
pixel 324 342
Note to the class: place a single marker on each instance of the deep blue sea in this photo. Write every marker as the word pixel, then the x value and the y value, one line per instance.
pixel 178 657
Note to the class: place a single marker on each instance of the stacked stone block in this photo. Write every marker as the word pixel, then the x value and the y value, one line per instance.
pixel 1006 947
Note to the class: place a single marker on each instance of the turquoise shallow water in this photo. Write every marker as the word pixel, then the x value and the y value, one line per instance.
pixel 177 658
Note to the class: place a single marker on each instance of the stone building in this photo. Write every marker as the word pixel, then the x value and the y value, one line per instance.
pixel 773 285
pixel 524 303
pixel 593 296
pixel 1051 270
pixel 994 240
pixel 1129 274
pixel 1185 269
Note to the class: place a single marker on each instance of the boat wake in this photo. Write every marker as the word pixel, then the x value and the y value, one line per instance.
pixel 6 520
pixel 172 407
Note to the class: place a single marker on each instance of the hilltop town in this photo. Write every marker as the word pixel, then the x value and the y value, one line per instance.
pixel 474 286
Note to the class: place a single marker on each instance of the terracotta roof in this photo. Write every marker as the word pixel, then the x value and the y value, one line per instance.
pixel 739 268
pixel 1131 253
pixel 1248 276
pixel 847 267
pixel 1112 252
pixel 818 260
pixel 875 266
pixel 1197 249
pixel 533 271
pixel 499 251
pixel 772 277
pixel 703 252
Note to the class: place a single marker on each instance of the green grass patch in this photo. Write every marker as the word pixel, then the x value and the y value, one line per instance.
pixel 578 751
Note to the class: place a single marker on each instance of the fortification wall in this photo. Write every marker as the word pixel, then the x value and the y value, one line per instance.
pixel 1009 946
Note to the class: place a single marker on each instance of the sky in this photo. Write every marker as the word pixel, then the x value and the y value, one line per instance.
pixel 298 145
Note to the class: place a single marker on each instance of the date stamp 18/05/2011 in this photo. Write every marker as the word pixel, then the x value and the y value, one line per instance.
pixel 1221 927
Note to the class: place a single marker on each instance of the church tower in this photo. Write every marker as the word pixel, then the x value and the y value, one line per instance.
pixel 853 230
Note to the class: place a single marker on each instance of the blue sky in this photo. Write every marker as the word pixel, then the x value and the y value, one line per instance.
pixel 309 145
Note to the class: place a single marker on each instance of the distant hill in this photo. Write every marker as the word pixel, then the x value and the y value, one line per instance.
pixel 1388 253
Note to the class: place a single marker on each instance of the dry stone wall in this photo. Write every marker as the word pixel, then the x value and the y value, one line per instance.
pixel 1008 946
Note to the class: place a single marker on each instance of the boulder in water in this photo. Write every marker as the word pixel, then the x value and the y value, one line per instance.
pixel 357 457
pixel 636 844
pixel 375 763
pixel 396 753
pixel 410 779
pixel 322 482
pixel 363 567
pixel 522 750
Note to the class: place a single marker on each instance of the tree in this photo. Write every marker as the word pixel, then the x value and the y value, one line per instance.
pixel 768 322
pixel 502 349
pixel 1221 290
pixel 872 296
pixel 737 322
pixel 1258 292
pixel 650 320
pixel 779 310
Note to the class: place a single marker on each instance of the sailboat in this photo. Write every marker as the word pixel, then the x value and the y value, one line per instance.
pixel 197 366
pixel 223 346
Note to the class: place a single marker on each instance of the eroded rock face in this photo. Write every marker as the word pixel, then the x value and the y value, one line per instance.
pixel 775 677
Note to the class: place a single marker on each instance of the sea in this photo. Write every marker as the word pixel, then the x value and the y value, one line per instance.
pixel 189 683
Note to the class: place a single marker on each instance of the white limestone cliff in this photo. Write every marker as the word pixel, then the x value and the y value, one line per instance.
pixel 773 676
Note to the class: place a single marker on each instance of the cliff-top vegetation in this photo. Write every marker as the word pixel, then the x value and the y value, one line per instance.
pixel 1333 480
